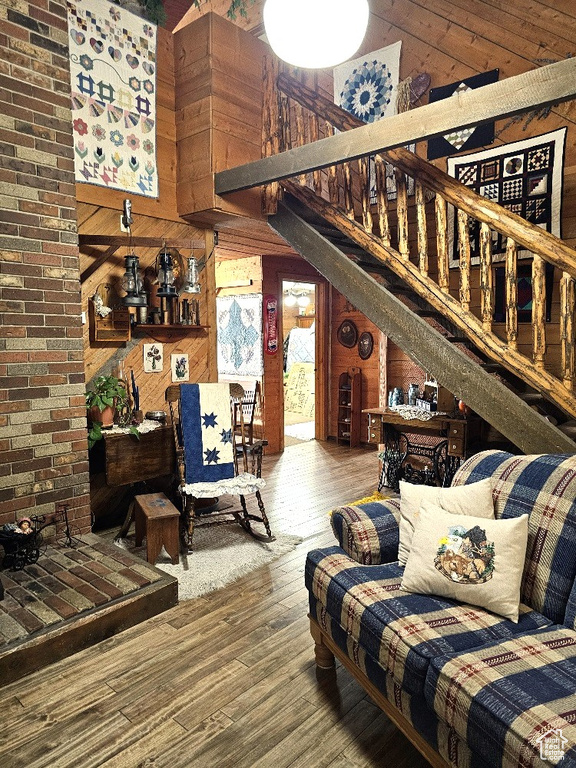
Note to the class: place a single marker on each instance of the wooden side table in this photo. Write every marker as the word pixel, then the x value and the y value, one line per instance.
pixel 157 519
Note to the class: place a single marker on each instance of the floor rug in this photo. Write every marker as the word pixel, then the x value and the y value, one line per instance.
pixel 222 553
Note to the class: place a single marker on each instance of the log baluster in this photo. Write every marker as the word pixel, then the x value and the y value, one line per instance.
pixel 422 229
pixel 332 171
pixel 314 135
pixel 270 131
pixel 486 287
pixel 567 329
pixel 285 137
pixel 402 213
pixel 511 289
pixel 348 192
pixel 300 134
pixel 382 200
pixel 442 243
pixel 364 173
pixel 465 259
pixel 538 311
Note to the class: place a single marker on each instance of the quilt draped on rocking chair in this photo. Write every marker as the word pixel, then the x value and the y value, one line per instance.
pixel 206 422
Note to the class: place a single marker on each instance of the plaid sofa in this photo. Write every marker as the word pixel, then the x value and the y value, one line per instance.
pixel 481 690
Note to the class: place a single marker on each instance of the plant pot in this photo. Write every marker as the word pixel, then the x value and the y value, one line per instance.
pixel 105 417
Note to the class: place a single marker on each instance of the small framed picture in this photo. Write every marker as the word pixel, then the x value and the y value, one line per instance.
pixel 179 366
pixel 153 358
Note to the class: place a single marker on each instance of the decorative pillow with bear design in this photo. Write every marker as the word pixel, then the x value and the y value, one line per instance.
pixel 471 499
pixel 470 559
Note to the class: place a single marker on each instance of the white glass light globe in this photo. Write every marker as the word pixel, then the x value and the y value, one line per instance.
pixel 314 34
pixel 290 300
pixel 303 301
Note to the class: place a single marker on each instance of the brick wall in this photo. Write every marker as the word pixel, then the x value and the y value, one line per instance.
pixel 43 452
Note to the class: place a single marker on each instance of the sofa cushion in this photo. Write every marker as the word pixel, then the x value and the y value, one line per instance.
pixel 545 488
pixel 470 559
pixel 400 630
pixel 472 499
pixel 368 532
pixel 507 698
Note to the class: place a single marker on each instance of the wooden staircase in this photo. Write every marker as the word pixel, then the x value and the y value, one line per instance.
pixel 380 257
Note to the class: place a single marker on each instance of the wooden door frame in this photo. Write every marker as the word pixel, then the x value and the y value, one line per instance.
pixel 321 377
pixel 275 269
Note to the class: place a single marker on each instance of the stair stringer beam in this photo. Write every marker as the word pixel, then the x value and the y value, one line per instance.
pixel 484 393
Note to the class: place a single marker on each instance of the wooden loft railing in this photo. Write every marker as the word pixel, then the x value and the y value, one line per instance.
pixel 295 115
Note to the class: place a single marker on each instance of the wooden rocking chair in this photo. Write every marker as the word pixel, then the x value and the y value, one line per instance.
pixel 212 460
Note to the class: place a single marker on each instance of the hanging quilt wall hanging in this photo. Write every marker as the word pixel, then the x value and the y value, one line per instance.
pixel 525 177
pixel 113 84
pixel 462 139
pixel 240 338
pixel 367 87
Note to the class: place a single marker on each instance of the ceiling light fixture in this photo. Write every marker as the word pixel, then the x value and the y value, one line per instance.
pixel 315 34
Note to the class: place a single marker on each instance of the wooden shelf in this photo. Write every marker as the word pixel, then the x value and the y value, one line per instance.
pixel 165 333
pixel 349 407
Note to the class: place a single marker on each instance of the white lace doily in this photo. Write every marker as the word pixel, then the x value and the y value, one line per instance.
pixel 148 425
pixel 240 485
pixel 412 412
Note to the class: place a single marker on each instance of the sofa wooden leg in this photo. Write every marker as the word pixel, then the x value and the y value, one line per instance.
pixel 324 656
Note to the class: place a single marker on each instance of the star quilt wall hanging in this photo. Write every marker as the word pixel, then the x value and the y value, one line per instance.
pixel 113 83
pixel 207 432
pixel 240 339
pixel 367 87
pixel 461 139
pixel 525 177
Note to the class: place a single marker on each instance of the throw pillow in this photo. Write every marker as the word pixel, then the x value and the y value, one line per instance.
pixel 470 559
pixel 471 499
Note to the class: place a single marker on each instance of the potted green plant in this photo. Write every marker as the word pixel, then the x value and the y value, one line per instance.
pixel 106 396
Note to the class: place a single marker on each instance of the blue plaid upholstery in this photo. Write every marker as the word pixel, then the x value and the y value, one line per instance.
pixel 545 488
pixel 401 631
pixel 506 698
pixel 368 532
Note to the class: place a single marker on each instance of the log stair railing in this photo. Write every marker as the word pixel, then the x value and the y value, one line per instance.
pixel 399 236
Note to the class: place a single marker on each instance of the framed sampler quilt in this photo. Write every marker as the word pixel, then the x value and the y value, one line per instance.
pixel 525 177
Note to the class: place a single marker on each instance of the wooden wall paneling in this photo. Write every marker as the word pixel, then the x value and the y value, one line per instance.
pixel 342 358
pixel 225 74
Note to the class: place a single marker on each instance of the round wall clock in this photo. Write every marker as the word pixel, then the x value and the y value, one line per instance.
pixel 347 333
pixel 365 345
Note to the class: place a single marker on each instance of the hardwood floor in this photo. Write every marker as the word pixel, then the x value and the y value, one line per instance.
pixel 223 681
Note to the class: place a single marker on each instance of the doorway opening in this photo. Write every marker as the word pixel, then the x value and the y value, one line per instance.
pixel 299 344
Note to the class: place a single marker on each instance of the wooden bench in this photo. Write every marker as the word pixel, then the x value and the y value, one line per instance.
pixel 157 519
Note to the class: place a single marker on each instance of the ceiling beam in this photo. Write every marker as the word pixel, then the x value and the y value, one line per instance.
pixel 537 88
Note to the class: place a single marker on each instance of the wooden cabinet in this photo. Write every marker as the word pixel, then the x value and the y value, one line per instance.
pixel 349 407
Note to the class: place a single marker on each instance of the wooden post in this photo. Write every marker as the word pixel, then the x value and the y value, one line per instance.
pixel 442 243
pixel 538 311
pixel 422 229
pixel 511 293
pixel 402 213
pixel 270 131
pixel 382 200
pixel 486 291
pixel 364 172
pixel 567 329
pixel 465 260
